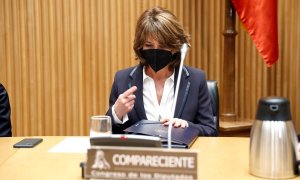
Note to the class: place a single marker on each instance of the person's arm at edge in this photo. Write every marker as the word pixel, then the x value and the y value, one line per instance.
pixel 5 121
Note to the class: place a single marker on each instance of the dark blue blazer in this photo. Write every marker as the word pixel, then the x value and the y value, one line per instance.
pixel 193 102
pixel 5 124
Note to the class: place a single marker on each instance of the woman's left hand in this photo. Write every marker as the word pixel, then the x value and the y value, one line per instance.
pixel 175 121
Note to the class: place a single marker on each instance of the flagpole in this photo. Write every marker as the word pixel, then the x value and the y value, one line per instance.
pixel 228 84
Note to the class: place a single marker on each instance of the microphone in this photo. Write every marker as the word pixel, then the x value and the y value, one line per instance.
pixel 184 49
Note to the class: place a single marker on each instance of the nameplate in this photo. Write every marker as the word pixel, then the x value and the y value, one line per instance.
pixel 140 163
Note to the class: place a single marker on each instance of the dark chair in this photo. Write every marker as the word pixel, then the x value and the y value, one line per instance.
pixel 214 99
pixel 5 124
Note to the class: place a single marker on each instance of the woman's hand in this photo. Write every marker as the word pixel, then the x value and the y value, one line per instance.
pixel 125 102
pixel 175 121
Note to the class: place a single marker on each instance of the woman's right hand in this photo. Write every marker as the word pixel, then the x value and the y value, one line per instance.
pixel 125 102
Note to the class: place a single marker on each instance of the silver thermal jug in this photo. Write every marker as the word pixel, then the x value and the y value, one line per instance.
pixel 273 140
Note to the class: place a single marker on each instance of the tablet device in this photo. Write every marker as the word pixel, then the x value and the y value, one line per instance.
pixel 28 143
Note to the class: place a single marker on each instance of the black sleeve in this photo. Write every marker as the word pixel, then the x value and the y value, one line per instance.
pixel 5 124
pixel 204 116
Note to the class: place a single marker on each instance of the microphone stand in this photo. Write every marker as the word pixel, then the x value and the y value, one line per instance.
pixel 183 51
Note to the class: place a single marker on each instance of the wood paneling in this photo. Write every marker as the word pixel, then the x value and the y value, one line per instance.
pixel 58 58
pixel 255 80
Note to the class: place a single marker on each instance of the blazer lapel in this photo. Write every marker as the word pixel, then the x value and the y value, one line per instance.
pixel 136 79
pixel 183 91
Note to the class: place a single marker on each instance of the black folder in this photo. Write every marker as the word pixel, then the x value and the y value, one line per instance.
pixel 126 140
pixel 181 137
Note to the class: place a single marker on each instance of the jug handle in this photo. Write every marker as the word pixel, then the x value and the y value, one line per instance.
pixel 297 161
pixel 296 164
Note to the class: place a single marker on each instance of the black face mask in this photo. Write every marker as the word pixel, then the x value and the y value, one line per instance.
pixel 158 58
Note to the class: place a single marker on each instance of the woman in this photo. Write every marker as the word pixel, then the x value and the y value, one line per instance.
pixel 146 91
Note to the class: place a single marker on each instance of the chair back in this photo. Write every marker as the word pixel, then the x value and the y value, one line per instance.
pixel 214 101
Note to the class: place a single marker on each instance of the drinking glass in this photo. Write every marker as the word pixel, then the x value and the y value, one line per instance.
pixel 100 126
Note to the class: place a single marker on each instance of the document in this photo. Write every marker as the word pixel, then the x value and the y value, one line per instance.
pixel 72 145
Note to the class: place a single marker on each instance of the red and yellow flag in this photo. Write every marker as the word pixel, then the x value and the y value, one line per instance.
pixel 260 20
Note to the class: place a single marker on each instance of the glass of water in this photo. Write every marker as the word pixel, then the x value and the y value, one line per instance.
pixel 100 126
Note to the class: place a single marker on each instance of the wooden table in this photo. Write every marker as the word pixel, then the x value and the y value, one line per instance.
pixel 37 162
pixel 218 158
